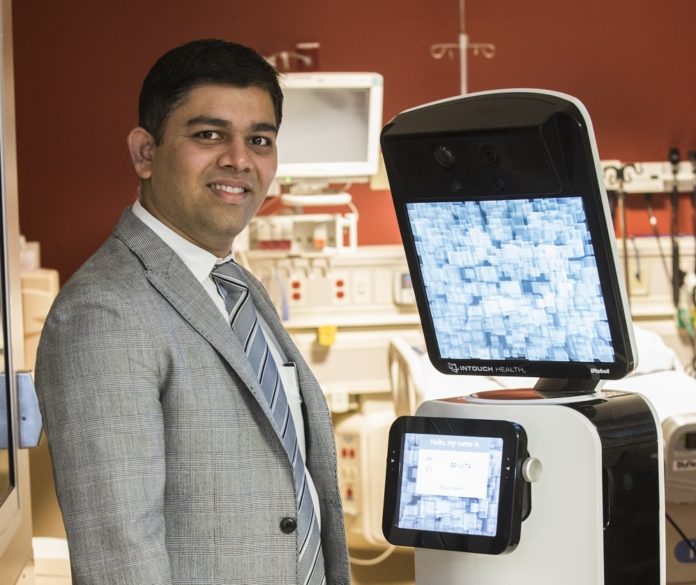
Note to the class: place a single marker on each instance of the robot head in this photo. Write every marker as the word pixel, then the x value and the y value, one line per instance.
pixel 508 236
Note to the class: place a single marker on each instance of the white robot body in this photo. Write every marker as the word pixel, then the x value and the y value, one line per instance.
pixel 588 483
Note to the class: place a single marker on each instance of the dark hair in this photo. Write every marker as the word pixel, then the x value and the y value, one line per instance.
pixel 197 63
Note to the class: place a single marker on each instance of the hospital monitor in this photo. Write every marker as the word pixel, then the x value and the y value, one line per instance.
pixel 331 126
pixel 507 231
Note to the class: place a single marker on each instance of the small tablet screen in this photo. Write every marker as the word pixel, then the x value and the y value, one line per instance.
pixel 455 484
pixel 450 483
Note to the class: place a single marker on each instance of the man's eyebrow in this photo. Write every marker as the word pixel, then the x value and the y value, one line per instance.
pixel 208 121
pixel 266 127
pixel 225 124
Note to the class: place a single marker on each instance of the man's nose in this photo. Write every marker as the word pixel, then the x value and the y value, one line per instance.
pixel 235 156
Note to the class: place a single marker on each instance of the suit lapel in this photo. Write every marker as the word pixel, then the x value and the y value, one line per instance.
pixel 176 283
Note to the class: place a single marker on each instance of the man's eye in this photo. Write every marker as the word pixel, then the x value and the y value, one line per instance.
pixel 209 135
pixel 261 141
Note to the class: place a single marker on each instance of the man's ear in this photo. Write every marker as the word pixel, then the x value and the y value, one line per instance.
pixel 142 149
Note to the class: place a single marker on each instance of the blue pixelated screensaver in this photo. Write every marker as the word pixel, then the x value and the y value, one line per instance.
pixel 512 279
pixel 450 483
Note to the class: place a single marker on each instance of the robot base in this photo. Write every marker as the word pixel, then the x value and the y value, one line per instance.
pixel 598 507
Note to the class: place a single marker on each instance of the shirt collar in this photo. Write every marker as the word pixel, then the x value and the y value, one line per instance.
pixel 199 261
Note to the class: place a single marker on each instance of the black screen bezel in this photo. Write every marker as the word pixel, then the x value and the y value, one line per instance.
pixel 510 509
pixel 515 366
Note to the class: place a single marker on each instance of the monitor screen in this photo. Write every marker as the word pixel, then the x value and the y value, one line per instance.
pixel 331 125
pixel 512 279
pixel 455 484
pixel 450 483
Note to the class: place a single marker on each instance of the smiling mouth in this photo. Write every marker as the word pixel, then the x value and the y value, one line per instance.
pixel 234 190
pixel 232 194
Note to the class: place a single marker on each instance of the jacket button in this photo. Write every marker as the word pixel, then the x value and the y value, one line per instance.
pixel 288 525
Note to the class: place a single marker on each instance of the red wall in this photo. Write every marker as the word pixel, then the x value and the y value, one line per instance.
pixel 79 65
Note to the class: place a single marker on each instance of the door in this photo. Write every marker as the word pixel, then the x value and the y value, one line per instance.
pixel 15 506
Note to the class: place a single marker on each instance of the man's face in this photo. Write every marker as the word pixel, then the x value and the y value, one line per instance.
pixel 213 167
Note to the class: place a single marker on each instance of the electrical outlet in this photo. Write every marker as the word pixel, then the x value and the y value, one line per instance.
pixel 638 282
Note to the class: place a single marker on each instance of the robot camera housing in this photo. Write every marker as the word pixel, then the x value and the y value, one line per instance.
pixel 444 157
pixel 508 236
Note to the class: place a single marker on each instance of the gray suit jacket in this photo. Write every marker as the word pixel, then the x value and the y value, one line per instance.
pixel 167 469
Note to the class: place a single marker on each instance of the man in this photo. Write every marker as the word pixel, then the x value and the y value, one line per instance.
pixel 170 464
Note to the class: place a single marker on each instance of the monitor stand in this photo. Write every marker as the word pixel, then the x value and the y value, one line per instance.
pixel 315 199
pixel 545 388
pixel 555 387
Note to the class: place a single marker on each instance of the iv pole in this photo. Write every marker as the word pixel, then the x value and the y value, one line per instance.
pixel 440 50
pixel 463 46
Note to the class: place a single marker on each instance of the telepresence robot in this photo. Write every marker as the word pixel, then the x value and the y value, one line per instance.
pixel 507 231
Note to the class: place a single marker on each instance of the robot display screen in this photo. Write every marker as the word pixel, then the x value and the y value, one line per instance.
pixel 455 484
pixel 512 279
pixel 450 483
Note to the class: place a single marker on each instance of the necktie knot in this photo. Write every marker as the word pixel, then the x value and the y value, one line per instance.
pixel 229 269
pixel 232 287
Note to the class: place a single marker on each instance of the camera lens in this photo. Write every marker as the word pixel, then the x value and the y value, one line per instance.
pixel 444 157
pixel 490 155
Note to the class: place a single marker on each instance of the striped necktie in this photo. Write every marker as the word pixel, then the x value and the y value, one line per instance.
pixel 231 284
